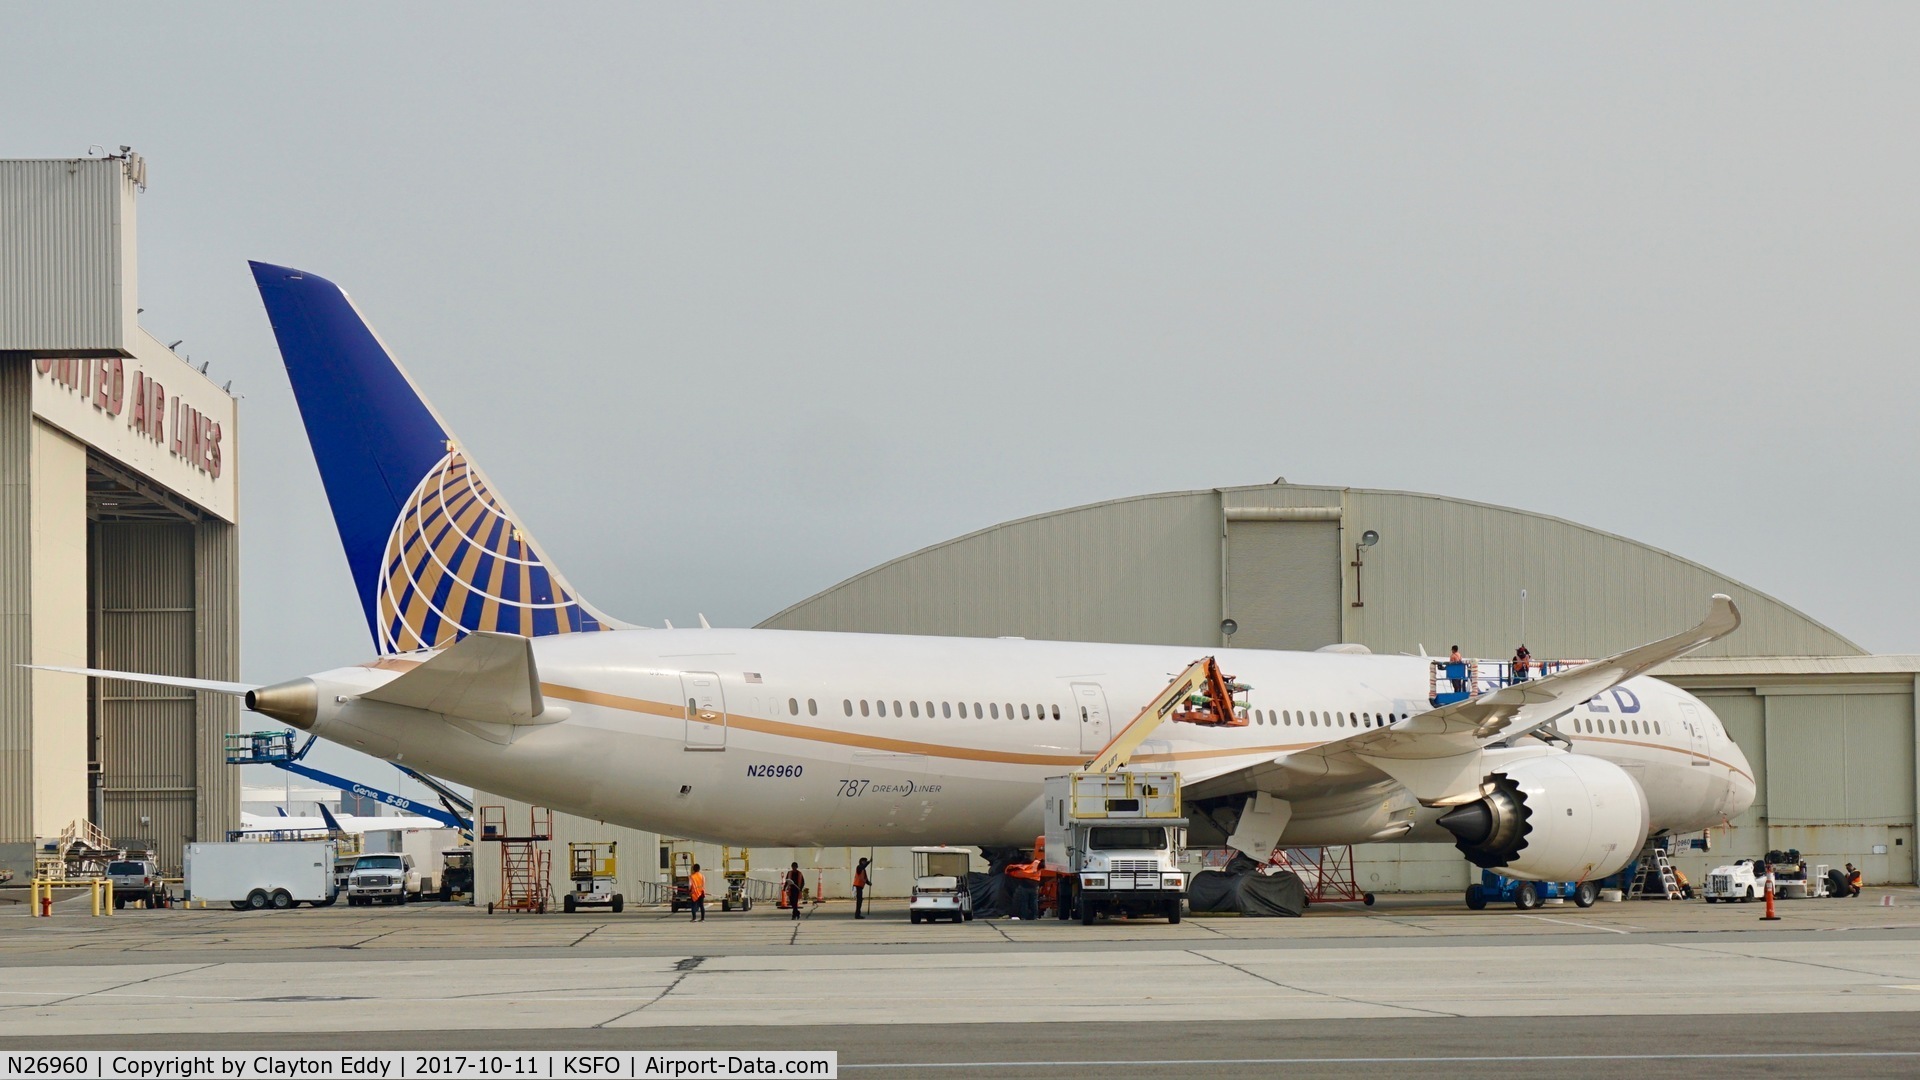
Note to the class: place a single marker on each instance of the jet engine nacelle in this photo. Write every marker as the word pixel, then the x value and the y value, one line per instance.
pixel 1557 817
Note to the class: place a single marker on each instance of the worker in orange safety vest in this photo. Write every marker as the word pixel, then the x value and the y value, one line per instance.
pixel 697 895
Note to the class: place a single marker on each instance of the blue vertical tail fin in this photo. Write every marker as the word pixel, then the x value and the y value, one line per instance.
pixel 435 553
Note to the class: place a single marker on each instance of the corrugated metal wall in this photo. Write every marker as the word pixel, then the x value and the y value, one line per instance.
pixel 149 750
pixel 1283 584
pixel 1846 758
pixel 1150 570
pixel 216 577
pixel 1833 761
pixel 16 595
pixel 66 256
pixel 1138 570
pixel 1449 571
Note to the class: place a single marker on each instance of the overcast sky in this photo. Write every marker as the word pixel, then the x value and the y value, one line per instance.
pixel 735 301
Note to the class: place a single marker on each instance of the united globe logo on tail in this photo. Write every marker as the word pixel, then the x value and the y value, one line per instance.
pixel 457 563
pixel 434 552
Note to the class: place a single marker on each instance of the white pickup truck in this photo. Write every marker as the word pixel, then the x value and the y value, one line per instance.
pixel 386 878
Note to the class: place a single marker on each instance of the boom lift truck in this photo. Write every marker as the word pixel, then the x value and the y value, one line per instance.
pixel 276 748
pixel 1114 835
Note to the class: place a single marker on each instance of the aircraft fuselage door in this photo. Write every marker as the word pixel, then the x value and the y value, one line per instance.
pixel 1091 701
pixel 1696 726
pixel 706 710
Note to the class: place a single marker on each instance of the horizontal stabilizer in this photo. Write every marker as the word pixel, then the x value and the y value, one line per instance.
pixel 486 677
pixel 211 686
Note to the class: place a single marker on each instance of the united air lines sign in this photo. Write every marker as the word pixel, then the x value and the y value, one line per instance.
pixel 151 413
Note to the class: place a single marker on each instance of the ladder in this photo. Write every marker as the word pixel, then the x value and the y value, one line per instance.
pixel 525 864
pixel 1654 880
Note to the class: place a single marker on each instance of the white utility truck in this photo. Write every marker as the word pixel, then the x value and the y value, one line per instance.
pixel 257 874
pixel 1115 839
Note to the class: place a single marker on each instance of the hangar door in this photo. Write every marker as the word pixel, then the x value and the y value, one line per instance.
pixel 1283 583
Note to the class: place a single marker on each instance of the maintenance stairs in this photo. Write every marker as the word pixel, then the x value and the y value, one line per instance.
pixel 1654 880
pixel 526 866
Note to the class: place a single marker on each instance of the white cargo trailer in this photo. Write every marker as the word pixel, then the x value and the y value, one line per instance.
pixel 257 874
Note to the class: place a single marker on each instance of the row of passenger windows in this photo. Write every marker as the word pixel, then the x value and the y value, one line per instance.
pixel 1594 726
pixel 945 709
pixel 1315 718
pixel 1275 717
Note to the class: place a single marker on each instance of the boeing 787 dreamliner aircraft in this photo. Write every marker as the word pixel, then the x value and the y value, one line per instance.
pixel 490 669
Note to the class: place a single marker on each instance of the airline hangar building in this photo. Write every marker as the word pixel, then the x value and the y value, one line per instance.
pixel 1829 729
pixel 118 546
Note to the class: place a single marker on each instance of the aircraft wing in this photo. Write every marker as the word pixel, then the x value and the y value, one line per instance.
pixel 1437 754
pixel 484 676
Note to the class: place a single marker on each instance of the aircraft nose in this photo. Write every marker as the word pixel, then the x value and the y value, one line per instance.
pixel 1742 795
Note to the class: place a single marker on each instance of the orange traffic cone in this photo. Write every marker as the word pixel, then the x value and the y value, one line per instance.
pixel 1769 916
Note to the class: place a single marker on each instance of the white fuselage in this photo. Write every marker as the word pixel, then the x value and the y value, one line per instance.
pixel 786 738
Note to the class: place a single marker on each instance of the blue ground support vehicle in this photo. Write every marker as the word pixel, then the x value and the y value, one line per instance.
pixel 1527 895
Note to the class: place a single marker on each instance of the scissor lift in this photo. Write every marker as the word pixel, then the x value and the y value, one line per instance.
pixel 525 863
pixel 733 867
pixel 590 878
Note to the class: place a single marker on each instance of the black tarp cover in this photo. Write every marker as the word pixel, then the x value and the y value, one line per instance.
pixel 1242 888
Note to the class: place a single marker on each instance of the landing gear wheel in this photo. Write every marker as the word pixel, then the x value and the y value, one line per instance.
pixel 567 904
pixel 257 900
pixel 1476 898
pixel 1527 896
pixel 1585 893
pixel 282 899
pixel 619 903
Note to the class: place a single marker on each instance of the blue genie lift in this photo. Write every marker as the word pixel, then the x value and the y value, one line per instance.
pixel 276 748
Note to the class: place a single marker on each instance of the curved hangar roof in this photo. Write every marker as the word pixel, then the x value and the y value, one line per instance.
pixel 1277 559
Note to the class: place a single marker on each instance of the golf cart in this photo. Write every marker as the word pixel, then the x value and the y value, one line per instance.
pixel 940 885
